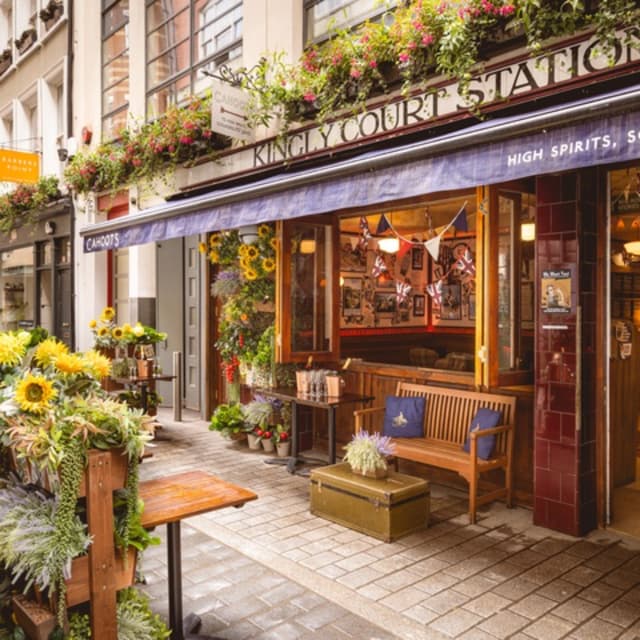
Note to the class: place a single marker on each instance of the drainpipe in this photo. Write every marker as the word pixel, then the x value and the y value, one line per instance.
pixel 69 127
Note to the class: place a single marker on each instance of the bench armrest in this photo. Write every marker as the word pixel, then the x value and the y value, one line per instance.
pixel 359 415
pixel 489 432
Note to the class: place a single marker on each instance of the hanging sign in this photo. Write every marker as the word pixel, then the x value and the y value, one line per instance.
pixel 19 166
pixel 229 111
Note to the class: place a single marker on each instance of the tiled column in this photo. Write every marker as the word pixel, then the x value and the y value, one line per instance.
pixel 564 455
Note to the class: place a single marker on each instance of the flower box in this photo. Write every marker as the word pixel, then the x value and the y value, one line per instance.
pixel 36 620
pixel 78 584
pixel 51 14
pixel 26 40
pixel 5 60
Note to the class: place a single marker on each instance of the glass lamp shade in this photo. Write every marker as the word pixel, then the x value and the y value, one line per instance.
pixel 528 231
pixel 389 245
pixel 248 234
pixel 633 247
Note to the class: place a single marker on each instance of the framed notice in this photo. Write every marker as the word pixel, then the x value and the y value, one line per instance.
pixel 352 297
pixel 384 302
pixel 451 305
pixel 418 305
pixel 556 291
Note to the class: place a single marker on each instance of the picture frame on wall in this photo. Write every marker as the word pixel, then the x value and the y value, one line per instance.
pixel 417 258
pixel 451 306
pixel 352 258
pixel 384 302
pixel 352 297
pixel 418 305
pixel 472 306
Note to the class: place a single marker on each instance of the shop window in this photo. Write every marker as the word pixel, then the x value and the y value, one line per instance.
pixel 44 285
pixel 516 285
pixel 308 316
pixel 324 16
pixel 17 286
pixel 121 284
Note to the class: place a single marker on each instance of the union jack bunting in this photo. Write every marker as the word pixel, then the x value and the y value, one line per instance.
pixel 435 291
pixel 403 289
pixel 465 264
pixel 379 266
pixel 364 228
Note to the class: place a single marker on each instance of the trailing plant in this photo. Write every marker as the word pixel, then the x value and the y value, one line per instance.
pixel 228 419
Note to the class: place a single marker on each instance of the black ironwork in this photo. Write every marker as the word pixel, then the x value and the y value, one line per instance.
pixel 241 77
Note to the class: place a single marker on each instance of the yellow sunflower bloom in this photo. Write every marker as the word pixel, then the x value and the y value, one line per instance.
pixel 34 393
pixel 268 264
pixel 214 240
pixel 12 348
pixel 49 350
pixel 250 274
pixel 252 252
pixel 214 257
pixel 96 364
pixel 245 263
pixel 264 230
pixel 126 328
pixel 108 314
pixel 242 250
pixel 117 333
pixel 274 243
pixel 93 324
pixel 202 247
pixel 69 363
pixel 102 332
pixel 138 330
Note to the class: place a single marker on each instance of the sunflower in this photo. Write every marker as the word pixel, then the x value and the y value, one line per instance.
pixel 69 363
pixel 252 252
pixel 250 274
pixel 103 332
pixel 242 250
pixel 215 240
pixel 274 243
pixel 214 257
pixel 264 230
pixel 34 393
pixel 245 264
pixel 126 328
pixel 96 364
pixel 12 348
pixel 92 324
pixel 268 264
pixel 117 333
pixel 48 350
pixel 138 330
pixel 202 247
pixel 108 314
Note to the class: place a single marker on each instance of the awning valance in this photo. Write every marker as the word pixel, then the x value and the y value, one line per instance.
pixel 589 132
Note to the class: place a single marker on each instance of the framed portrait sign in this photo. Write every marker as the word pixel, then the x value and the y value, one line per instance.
pixel 417 258
pixel 352 297
pixel 384 302
pixel 418 305
pixel 451 306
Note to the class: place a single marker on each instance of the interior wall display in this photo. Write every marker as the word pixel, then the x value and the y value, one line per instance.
pixel 418 305
pixel 352 297
pixel 384 302
pixel 455 268
pixel 353 257
pixel 417 258
pixel 623 334
pixel 556 291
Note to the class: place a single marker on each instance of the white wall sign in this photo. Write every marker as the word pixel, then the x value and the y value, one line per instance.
pixel 228 112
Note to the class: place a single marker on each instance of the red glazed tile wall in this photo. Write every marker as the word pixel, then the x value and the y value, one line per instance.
pixel 564 449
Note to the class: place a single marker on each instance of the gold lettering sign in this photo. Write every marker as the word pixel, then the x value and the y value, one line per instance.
pixel 19 166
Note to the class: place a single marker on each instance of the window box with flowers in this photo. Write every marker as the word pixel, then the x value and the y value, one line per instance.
pixel 50 14
pixel 22 205
pixel 26 40
pixel 6 58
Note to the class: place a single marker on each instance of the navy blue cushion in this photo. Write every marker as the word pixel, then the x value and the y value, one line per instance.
pixel 484 419
pixel 403 417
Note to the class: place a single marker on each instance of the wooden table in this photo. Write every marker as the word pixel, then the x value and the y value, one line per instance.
pixel 329 403
pixel 168 501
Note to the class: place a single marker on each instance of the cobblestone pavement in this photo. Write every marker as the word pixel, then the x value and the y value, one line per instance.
pixel 273 570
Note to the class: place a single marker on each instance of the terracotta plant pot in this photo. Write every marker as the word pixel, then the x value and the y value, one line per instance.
pixel 145 368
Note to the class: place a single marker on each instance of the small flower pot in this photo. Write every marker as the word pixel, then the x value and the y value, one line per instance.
pixel 254 441
pixel 376 473
pixel 145 368
pixel 283 449
pixel 268 446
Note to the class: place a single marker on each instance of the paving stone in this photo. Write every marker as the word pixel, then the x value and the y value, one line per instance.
pixel 474 586
pixel 435 583
pixel 456 622
pixel 549 627
pixel 321 615
pixel 478 634
pixel 486 604
pixel 356 627
pixel 503 624
pixel 597 629
pixel 533 606
pixel 576 610
pixel 401 600
pixel 516 588
pixel 444 601
pixel 355 579
pixel 420 613
pixel 622 579
pixel 601 593
pixel 558 590
pixel 621 612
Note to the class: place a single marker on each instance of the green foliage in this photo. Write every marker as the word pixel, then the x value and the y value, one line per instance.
pixel 228 419
pixel 368 452
pixel 24 203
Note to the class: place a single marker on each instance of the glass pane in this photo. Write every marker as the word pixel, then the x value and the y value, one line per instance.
pixel 168 64
pixel 158 12
pixel 311 287
pixel 218 25
pixel 116 97
pixel 45 253
pixel 45 299
pixel 17 286
pixel 113 125
pixel 63 251
pixel 173 93
pixel 115 45
pixel 505 261
pixel 169 35
pixel 115 17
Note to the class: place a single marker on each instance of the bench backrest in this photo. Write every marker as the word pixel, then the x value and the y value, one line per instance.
pixel 448 412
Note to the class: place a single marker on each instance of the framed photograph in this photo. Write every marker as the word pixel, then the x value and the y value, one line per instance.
pixel 149 351
pixel 352 297
pixel 555 287
pixel 352 258
pixel 472 306
pixel 451 307
pixel 384 302
pixel 418 305
pixel 417 258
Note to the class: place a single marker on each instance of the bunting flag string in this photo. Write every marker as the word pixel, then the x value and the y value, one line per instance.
pixel 403 289
pixel 435 291
pixel 465 264
pixel 379 266
pixel 365 233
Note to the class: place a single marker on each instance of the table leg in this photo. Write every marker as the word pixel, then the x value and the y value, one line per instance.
pixel 332 435
pixel 175 580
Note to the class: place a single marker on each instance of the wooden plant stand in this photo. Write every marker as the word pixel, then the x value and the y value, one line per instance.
pixel 98 582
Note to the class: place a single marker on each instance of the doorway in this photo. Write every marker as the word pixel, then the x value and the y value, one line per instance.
pixel 623 470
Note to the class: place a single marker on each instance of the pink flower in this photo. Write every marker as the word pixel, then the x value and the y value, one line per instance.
pixel 185 139
pixel 136 162
pixel 412 45
pixel 355 73
pixel 309 96
pixel 189 125
pixel 427 39
pixel 403 57
pixel 507 10
pixel 207 133
pixel 373 64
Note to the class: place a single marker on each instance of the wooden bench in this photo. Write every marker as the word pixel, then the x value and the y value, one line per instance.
pixel 448 414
